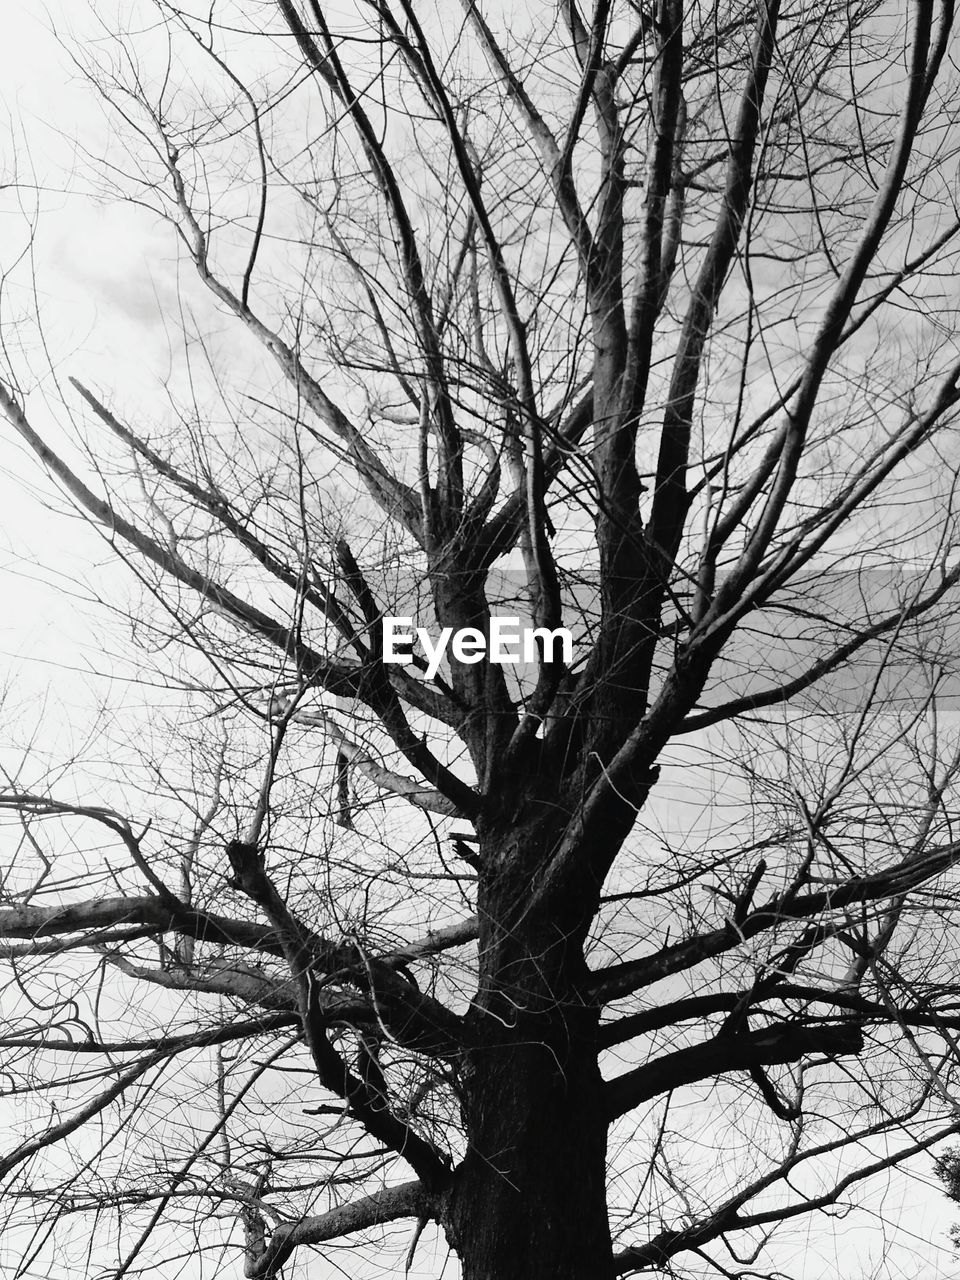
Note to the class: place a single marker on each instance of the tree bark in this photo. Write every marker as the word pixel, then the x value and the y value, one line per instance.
pixel 529 1199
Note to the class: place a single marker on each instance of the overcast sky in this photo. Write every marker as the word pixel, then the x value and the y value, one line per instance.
pixel 100 298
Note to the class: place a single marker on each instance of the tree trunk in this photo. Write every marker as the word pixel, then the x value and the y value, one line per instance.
pixel 529 1200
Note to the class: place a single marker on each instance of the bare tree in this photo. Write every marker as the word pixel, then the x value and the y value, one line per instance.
pixel 635 322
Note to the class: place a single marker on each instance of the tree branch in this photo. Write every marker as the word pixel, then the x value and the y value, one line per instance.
pixel 766 1047
pixel 656 1253
pixel 619 980
pixel 408 1200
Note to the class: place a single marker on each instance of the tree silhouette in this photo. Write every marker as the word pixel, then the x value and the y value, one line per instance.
pixel 635 322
